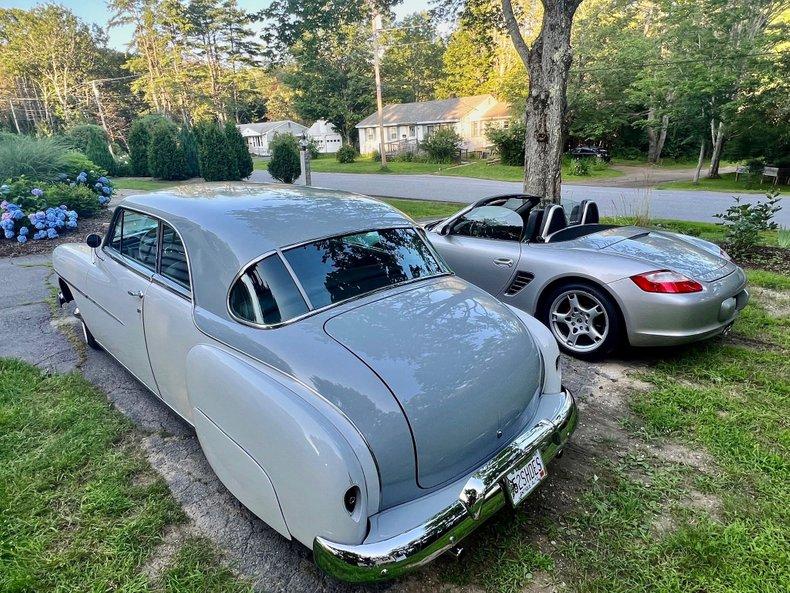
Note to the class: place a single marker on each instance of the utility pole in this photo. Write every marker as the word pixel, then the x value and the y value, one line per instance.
pixel 304 158
pixel 101 116
pixel 13 113
pixel 376 27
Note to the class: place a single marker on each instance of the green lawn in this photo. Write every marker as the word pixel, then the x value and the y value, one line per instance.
pixel 727 183
pixel 482 170
pixel 645 523
pixel 418 209
pixel 669 163
pixel 142 183
pixel 80 507
pixel 368 165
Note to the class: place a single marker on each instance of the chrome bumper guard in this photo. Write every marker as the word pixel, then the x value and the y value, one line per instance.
pixel 481 497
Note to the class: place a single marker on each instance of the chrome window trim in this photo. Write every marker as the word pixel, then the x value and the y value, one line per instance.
pixel 311 311
pixel 153 276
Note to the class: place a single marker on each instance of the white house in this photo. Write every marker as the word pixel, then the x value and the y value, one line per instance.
pixel 325 136
pixel 407 124
pixel 259 136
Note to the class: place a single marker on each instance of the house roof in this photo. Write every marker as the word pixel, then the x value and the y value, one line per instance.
pixel 321 128
pixel 499 110
pixel 262 128
pixel 442 110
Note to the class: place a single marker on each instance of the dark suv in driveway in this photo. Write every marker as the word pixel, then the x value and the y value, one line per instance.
pixel 581 152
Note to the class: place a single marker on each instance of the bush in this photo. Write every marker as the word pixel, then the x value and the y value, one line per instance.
pixel 743 223
pixel 284 164
pixel 79 198
pixel 76 163
pixel 215 155
pixel 579 167
pixel 188 142
pixel 165 156
pixel 312 148
pixel 346 154
pixel 442 146
pixel 98 152
pixel 238 148
pixel 37 158
pixel 509 142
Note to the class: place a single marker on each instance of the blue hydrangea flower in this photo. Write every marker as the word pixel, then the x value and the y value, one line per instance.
pixel 22 238
pixel 40 235
pixel 72 224
pixel 18 215
pixel 82 177
pixel 103 180
pixel 4 204
pixel 52 234
pixel 37 192
pixel 62 177
pixel 24 231
pixel 5 188
pixel 9 234
pixel 107 190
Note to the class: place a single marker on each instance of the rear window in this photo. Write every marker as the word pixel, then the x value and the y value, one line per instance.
pixel 339 268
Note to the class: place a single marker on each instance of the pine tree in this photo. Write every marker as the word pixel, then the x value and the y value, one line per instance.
pixel 215 157
pixel 138 148
pixel 238 146
pixel 165 156
pixel 97 151
pixel 188 142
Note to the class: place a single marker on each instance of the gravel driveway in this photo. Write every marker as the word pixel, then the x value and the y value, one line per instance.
pixel 33 333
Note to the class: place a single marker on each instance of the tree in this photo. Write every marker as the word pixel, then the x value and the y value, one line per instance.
pixel 165 155
pixel 188 143
pixel 215 155
pixel 99 154
pixel 238 147
pixel 285 165
pixel 138 148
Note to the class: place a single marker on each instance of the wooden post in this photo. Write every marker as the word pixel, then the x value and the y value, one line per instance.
pixel 379 106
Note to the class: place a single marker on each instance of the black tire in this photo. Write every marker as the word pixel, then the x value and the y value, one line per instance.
pixel 583 326
pixel 89 339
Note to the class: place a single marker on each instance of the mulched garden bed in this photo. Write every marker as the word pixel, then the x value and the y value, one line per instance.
pixel 86 226
pixel 773 259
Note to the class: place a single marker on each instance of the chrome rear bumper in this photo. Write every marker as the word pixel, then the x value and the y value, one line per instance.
pixel 480 498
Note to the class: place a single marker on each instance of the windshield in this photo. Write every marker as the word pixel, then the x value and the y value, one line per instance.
pixel 339 268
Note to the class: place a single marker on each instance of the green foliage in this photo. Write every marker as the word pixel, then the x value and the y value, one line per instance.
pixel 238 148
pixel 509 142
pixel 37 158
pixel 579 167
pixel 745 221
pixel 79 198
pixel 98 152
pixel 188 143
pixel 76 163
pixel 284 164
pixel 79 136
pixel 442 146
pixel 346 154
pixel 215 154
pixel 312 148
pixel 165 155
pixel 138 148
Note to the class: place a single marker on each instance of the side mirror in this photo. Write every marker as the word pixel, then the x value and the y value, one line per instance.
pixel 93 240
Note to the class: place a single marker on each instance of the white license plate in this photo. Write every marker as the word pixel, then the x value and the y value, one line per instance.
pixel 523 480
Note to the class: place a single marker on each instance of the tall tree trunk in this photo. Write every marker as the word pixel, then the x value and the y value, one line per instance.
pixel 700 161
pixel 548 62
pixel 656 137
pixel 717 140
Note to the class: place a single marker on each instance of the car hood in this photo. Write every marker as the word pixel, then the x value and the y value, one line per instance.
pixel 661 250
pixel 462 366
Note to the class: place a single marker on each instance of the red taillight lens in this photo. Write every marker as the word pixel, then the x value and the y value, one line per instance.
pixel 666 281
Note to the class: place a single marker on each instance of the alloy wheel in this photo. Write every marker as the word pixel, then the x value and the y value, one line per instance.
pixel 579 320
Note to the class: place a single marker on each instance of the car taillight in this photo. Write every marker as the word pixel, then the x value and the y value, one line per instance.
pixel 666 281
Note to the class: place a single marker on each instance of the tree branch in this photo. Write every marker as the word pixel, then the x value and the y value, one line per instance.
pixel 511 23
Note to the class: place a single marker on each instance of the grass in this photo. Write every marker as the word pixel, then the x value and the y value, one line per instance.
pixel 726 183
pixel 142 183
pixel 368 165
pixel 482 170
pixel 725 398
pixel 81 509
pixel 418 209
pixel 668 163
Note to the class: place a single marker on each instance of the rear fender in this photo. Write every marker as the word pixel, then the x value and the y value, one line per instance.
pixel 259 432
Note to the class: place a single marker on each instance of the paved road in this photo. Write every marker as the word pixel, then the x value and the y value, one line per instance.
pixel 697 206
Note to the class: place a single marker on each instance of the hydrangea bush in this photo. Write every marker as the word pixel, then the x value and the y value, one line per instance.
pixel 31 211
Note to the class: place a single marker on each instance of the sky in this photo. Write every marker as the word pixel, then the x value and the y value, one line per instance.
pixel 95 11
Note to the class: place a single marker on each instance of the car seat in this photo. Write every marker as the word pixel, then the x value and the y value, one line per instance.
pixel 553 220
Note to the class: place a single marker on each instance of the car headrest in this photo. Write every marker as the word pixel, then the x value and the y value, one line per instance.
pixel 553 220
pixel 532 231
pixel 576 214
pixel 589 212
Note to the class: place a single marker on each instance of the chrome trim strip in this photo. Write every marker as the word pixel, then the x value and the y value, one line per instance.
pixel 480 498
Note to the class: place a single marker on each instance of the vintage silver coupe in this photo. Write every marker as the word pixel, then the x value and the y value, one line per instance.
pixel 344 385
pixel 595 285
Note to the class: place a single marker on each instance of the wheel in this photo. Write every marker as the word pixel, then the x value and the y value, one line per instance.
pixel 89 339
pixel 583 318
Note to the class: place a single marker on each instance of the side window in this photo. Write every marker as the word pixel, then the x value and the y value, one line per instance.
pixel 266 294
pixel 135 237
pixel 490 222
pixel 173 263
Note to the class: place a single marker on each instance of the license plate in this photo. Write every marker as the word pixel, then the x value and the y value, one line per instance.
pixel 523 480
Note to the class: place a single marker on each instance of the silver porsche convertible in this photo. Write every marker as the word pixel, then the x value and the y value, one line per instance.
pixel 595 285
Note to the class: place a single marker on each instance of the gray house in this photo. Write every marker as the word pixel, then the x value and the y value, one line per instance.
pixel 407 124
pixel 258 136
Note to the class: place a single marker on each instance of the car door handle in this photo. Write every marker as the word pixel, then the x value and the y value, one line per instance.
pixel 503 262
pixel 135 293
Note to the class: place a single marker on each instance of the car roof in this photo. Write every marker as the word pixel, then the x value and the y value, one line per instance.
pixel 224 226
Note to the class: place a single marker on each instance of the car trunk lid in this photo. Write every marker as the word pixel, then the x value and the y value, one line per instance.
pixel 462 366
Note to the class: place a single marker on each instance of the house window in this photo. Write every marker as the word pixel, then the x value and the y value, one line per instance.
pixel 369 133
pixel 412 131
pixel 392 133
pixel 475 129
